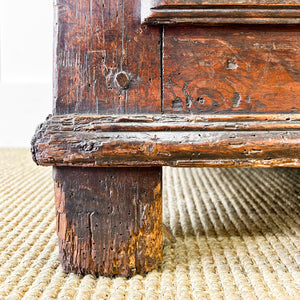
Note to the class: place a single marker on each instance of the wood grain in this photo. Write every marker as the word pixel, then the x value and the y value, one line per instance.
pixel 170 122
pixel 102 54
pixel 85 144
pixel 231 69
pixel 198 13
pixel 109 220
pixel 232 94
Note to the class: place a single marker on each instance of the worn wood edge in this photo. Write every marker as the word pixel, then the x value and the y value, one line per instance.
pixel 171 122
pixel 215 163
pixel 106 233
pixel 39 133
pixel 175 20
pixel 81 146
pixel 220 14
pixel 240 163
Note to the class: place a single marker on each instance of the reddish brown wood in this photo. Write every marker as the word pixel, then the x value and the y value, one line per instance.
pixel 231 69
pixel 171 122
pixel 102 60
pixel 109 220
pixel 110 69
pixel 82 143
pixel 100 44
pixel 180 13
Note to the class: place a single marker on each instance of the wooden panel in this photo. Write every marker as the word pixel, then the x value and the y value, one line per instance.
pixel 231 69
pixel 85 141
pixel 102 58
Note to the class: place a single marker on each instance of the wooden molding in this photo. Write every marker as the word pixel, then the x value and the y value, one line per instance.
pixel 168 140
pixel 176 12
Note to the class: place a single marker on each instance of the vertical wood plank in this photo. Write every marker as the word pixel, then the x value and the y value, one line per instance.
pixel 106 62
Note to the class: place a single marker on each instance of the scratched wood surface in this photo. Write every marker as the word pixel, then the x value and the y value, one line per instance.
pixel 105 61
pixel 88 142
pixel 168 122
pixel 177 149
pixel 231 69
pixel 109 221
pixel 114 77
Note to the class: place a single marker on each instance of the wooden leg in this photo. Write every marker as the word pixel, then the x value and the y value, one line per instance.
pixel 109 220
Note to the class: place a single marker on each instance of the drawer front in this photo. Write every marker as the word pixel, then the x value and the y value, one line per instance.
pixel 254 69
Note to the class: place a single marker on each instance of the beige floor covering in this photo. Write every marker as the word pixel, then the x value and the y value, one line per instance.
pixel 237 230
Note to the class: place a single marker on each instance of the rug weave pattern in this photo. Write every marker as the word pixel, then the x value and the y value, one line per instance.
pixel 237 231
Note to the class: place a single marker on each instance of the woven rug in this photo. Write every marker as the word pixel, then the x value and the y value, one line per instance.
pixel 237 231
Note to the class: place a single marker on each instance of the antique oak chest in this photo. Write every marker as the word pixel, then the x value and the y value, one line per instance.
pixel 141 84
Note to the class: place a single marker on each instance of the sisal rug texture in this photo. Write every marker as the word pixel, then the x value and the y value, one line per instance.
pixel 237 231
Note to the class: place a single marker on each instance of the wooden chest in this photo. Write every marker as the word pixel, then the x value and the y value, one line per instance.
pixel 141 84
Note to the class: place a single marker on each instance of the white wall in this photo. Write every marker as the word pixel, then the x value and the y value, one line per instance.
pixel 25 68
